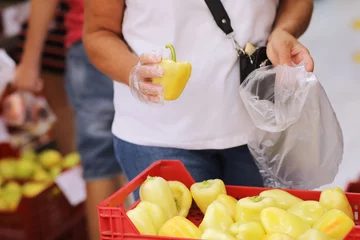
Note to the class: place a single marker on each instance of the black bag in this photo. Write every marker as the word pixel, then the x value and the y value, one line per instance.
pixel 248 63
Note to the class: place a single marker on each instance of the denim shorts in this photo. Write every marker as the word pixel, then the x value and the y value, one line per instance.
pixel 91 95
pixel 235 166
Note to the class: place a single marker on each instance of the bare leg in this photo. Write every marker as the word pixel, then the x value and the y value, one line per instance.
pixel 98 191
pixel 54 90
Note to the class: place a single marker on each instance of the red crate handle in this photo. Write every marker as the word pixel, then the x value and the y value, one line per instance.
pixel 163 168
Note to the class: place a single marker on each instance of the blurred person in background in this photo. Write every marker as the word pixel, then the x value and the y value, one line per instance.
pixel 90 93
pixel 50 68
pixel 207 127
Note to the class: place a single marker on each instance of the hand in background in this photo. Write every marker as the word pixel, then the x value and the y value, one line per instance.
pixel 27 78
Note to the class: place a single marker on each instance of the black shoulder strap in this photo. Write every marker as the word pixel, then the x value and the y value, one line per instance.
pixel 220 15
pixel 223 21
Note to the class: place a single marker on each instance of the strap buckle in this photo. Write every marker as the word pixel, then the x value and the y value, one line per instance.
pixel 236 45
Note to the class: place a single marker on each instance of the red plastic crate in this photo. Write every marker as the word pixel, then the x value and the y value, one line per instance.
pixel 44 217
pixel 7 151
pixel 47 216
pixel 353 187
pixel 115 225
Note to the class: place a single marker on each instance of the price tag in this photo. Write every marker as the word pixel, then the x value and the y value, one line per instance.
pixel 4 134
pixel 72 185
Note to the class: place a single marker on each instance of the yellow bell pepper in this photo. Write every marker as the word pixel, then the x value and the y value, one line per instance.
pixel 309 211
pixel 182 197
pixel 248 230
pixel 284 199
pixel 156 190
pixel 234 227
pixel 229 202
pixel 155 212
pixel 176 75
pixel 335 198
pixel 142 221
pixel 335 224
pixel 204 193
pixel 216 216
pixel 278 236
pixel 248 209
pixel 180 227
pixel 313 234
pixel 277 220
pixel 216 234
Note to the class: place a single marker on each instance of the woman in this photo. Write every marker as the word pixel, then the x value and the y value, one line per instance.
pixel 207 127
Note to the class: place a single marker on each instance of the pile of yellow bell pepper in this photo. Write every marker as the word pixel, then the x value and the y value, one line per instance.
pixel 273 215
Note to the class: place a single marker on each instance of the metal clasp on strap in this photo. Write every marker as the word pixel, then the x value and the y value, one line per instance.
pixel 236 45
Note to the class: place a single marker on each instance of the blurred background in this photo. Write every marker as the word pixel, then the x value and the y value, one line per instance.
pixel 333 38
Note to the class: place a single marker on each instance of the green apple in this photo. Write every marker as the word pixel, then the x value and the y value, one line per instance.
pixel 12 187
pixel 55 171
pixel 7 168
pixel 32 189
pixel 13 199
pixel 29 155
pixel 40 174
pixel 71 160
pixel 24 169
pixel 12 194
pixel 50 158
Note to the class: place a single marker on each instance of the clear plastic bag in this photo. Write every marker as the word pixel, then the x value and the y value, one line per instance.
pixel 297 141
pixel 29 112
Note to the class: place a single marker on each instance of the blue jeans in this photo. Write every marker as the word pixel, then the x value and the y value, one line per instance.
pixel 234 165
pixel 91 95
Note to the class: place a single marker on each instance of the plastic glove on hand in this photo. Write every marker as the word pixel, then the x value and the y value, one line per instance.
pixel 140 80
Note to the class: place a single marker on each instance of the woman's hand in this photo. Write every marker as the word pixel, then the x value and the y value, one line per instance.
pixel 140 81
pixel 27 78
pixel 285 49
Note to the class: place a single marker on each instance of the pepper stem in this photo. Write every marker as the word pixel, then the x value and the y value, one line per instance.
pixel 205 184
pixel 149 178
pixel 172 50
pixel 256 198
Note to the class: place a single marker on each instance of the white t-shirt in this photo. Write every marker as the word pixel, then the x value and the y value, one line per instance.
pixel 209 114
